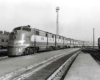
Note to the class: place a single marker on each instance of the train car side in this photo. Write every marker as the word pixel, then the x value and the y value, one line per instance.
pixel 3 41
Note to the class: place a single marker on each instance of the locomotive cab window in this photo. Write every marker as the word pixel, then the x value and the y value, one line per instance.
pixel 50 35
pixel 18 28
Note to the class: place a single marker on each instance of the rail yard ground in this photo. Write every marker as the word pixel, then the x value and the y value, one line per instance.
pixel 64 64
pixel 18 65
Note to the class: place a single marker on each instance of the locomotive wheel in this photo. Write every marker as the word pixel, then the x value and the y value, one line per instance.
pixel 25 51
pixel 35 50
pixel 47 49
pixel 31 51
pixel 57 48
pixel 51 48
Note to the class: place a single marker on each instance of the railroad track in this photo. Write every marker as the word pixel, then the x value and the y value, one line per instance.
pixel 97 58
pixel 95 53
pixel 50 70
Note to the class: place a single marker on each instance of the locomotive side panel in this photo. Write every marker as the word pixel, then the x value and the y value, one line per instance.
pixel 71 43
pixel 59 41
pixel 68 42
pixel 65 42
pixel 41 39
pixel 74 43
pixel 51 40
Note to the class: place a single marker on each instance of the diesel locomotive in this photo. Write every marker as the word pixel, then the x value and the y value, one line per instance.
pixel 25 40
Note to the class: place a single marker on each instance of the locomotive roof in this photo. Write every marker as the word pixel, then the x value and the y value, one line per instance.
pixel 45 32
pixel 40 30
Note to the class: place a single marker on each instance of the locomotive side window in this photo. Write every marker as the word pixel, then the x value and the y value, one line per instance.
pixel 37 32
pixel 46 35
pixel 50 35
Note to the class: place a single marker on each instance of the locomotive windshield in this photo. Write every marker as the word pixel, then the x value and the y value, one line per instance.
pixel 26 29
pixel 18 28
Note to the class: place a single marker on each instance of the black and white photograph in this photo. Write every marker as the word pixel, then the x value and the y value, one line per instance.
pixel 49 39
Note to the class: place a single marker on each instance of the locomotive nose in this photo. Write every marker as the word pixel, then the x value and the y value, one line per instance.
pixel 18 42
pixel 14 51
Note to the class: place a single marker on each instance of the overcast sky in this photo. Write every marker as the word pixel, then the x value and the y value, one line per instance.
pixel 77 18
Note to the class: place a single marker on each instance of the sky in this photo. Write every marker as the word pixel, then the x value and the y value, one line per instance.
pixel 77 18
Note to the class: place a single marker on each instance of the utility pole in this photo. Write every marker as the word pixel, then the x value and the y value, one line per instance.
pixel 93 38
pixel 57 23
